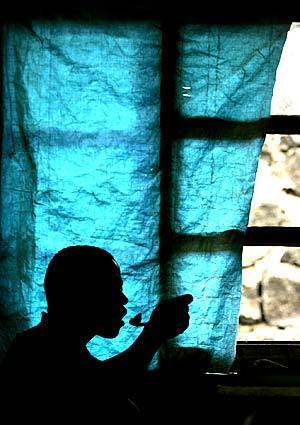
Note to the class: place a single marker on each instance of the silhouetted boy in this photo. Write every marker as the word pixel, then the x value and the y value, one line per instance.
pixel 83 287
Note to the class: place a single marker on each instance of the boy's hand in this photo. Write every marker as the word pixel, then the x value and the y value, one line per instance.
pixel 171 317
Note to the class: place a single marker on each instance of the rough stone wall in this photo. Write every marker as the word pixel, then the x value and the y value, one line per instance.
pixel 270 308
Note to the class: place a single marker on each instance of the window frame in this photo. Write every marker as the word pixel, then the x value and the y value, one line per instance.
pixel 254 236
pixel 173 126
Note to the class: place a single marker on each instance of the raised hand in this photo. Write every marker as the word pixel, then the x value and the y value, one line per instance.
pixel 171 317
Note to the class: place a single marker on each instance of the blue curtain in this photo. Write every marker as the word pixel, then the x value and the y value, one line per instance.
pixel 81 164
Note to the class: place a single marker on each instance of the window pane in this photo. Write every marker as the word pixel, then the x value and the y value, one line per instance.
pixel 271 278
pixel 224 73
pixel 212 275
pixel 82 121
pixel 81 161
pixel 270 308
pixel 224 70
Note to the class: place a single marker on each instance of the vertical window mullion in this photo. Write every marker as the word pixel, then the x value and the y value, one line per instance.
pixel 168 106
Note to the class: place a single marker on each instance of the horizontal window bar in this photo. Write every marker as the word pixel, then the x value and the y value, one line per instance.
pixel 284 124
pixel 230 240
pixel 268 343
pixel 187 11
pixel 272 236
pixel 217 128
pixel 176 243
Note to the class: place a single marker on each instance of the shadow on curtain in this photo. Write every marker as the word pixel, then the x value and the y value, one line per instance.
pixel 81 165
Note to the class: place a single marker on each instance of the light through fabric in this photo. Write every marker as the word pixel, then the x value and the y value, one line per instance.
pixel 81 164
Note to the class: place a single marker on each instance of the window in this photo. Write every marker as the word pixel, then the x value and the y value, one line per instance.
pixel 141 137
pixel 271 300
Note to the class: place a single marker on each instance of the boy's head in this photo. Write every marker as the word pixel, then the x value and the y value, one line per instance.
pixel 83 284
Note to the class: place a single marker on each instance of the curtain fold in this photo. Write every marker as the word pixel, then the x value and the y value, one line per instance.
pixel 81 164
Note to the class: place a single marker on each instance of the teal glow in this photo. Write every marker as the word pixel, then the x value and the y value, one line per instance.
pixel 230 70
pixel 81 163
pixel 87 97
pixel 214 279
pixel 212 186
pixel 227 73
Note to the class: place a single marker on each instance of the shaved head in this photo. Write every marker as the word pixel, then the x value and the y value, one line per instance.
pixel 85 282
